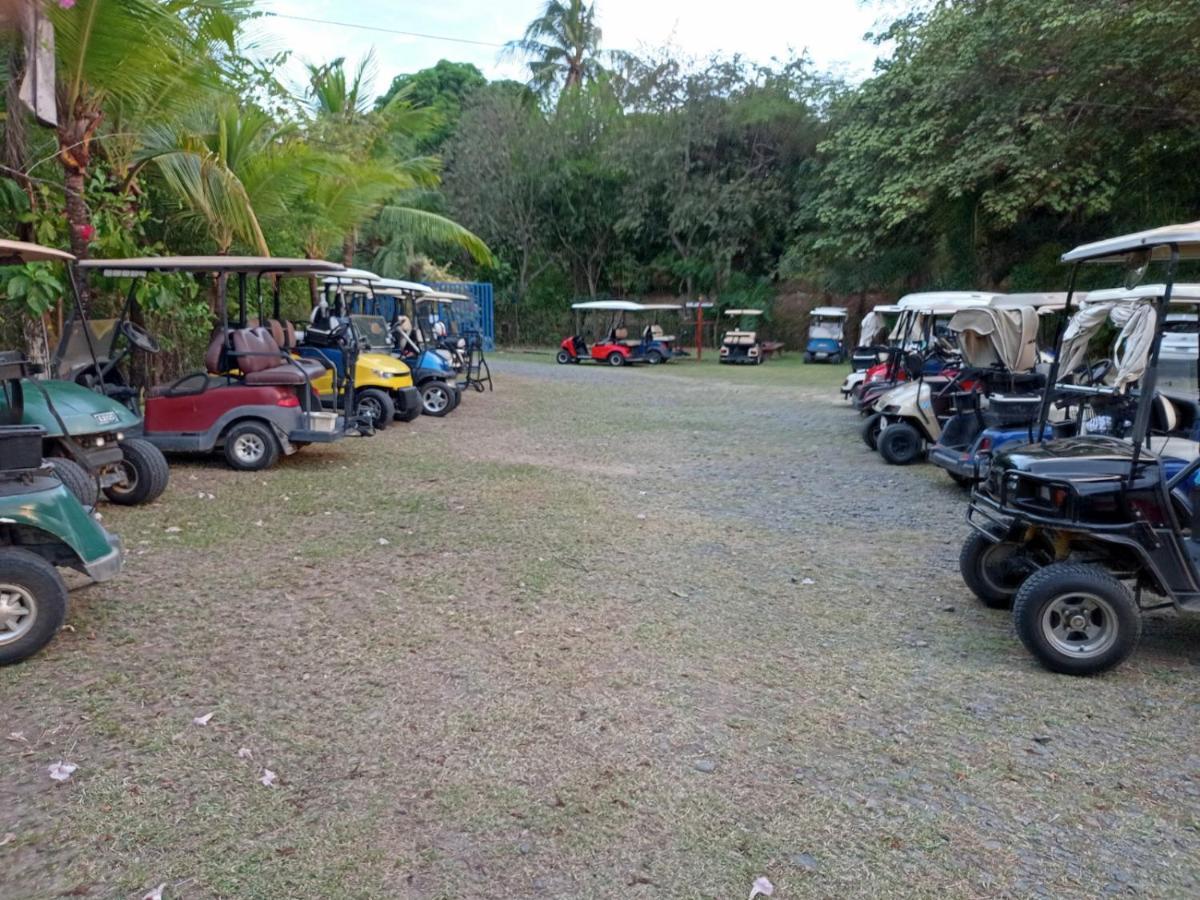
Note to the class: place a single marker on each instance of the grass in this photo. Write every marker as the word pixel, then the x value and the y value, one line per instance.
pixel 486 655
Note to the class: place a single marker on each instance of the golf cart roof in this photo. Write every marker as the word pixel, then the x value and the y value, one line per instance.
pixel 444 295
pixel 1047 302
pixel 653 306
pixel 1181 293
pixel 1186 236
pixel 887 308
pixel 23 252
pixel 946 301
pixel 743 312
pixel 350 276
pixel 830 312
pixel 394 286
pixel 612 305
pixel 277 265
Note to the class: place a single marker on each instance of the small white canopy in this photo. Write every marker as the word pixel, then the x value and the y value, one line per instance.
pixel 1183 293
pixel 349 276
pixel 610 305
pixel 743 312
pixel 32 252
pixel 829 312
pixel 394 286
pixel 946 302
pixel 1115 249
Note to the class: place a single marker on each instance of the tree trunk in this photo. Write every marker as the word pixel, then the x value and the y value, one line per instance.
pixel 33 330
pixel 349 245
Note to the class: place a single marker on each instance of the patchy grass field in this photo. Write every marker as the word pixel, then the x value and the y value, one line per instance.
pixel 639 633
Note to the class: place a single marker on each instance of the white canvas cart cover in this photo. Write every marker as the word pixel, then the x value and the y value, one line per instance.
pixel 1005 336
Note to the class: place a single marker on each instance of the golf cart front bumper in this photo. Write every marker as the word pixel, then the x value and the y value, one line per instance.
pixel 986 516
pixel 406 400
pixel 106 567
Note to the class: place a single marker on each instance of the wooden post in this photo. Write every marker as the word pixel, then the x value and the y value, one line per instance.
pixel 699 330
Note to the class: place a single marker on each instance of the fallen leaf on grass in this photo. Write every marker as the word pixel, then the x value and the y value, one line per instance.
pixel 761 886
pixel 807 581
pixel 202 720
pixel 268 778
pixel 8 838
pixel 18 736
pixel 383 542
pixel 172 529
pixel 245 753
pixel 62 771
pixel 156 894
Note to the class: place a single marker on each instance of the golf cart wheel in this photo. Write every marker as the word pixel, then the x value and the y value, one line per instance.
pixel 457 395
pixel 1076 619
pixel 33 604
pixel 78 480
pixel 900 444
pixel 994 571
pixel 437 398
pixel 653 358
pixel 251 446
pixel 808 357
pixel 871 429
pixel 146 474
pixel 616 360
pixel 563 357
pixel 375 405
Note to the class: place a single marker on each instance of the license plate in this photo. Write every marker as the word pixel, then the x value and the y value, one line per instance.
pixel 108 417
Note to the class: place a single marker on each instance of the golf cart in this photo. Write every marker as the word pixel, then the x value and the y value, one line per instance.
pixel 42 526
pixel 464 341
pixel 383 312
pixel 740 344
pixel 381 385
pixel 826 335
pixel 617 348
pixel 921 344
pixel 1091 530
pixel 253 400
pixel 873 346
pixel 90 439
pixel 1000 345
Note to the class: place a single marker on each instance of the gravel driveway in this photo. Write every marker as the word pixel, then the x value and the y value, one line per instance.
pixel 637 633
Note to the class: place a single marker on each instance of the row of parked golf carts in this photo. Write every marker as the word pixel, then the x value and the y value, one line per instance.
pixel 372 352
pixel 621 333
pixel 1074 419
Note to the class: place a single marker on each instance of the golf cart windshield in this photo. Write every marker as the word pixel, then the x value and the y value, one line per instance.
pixel 74 355
pixel 827 323
pixel 373 332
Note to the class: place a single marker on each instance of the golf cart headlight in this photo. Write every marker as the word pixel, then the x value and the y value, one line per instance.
pixel 754 351
pixel 724 351
pixel 99 442
pixel 379 374
pixel 120 436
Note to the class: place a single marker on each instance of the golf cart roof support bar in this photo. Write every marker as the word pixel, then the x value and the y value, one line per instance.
pixel 1141 422
pixel 1052 376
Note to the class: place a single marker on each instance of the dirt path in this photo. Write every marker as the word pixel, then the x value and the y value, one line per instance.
pixel 564 643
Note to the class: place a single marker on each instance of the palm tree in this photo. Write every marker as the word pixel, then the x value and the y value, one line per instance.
pixel 562 43
pixel 115 57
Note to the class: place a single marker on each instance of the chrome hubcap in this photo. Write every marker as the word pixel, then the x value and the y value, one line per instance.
pixel 370 408
pixel 18 611
pixel 1079 625
pixel 249 448
pixel 436 400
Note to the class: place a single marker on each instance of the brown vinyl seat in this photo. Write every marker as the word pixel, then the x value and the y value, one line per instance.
pixel 262 362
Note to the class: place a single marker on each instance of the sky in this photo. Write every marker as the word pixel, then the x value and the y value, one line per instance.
pixel 831 31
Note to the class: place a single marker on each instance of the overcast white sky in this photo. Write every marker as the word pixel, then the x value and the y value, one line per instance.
pixel 831 30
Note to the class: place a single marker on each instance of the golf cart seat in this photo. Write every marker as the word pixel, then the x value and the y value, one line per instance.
pixel 740 338
pixel 260 359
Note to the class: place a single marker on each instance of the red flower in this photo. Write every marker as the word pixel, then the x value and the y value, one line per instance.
pixel 87 232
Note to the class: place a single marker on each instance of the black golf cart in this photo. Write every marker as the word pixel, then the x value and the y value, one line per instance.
pixel 1088 529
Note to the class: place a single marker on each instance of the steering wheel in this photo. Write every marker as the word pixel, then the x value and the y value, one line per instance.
pixel 1097 372
pixel 138 336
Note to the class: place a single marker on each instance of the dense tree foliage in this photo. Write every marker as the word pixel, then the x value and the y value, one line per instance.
pixel 992 135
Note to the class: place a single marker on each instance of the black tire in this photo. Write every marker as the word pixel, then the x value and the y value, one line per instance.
pixel 616 360
pixel 78 480
pixel 993 571
pixel 808 357
pixel 251 446
pixel 437 399
pixel 457 396
pixel 563 357
pixel 900 444
pixel 654 358
pixel 376 405
pixel 146 474
pixel 36 587
pixel 871 429
pixel 1051 600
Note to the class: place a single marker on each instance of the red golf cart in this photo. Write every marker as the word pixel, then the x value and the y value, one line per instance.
pixel 253 400
pixel 616 348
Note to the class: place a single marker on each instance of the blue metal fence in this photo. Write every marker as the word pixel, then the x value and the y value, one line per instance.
pixel 484 305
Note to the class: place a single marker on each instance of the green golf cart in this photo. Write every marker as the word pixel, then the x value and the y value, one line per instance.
pixel 42 527
pixel 90 439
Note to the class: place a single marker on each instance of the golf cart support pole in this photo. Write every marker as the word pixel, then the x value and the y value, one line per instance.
pixel 1052 376
pixel 1141 422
